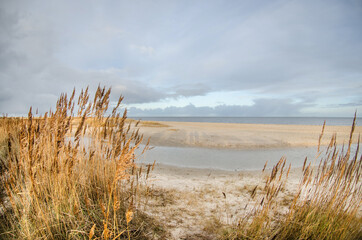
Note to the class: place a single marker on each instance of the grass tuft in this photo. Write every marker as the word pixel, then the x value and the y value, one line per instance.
pixel 327 204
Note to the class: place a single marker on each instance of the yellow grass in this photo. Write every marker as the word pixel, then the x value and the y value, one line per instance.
pixel 326 205
pixel 152 124
pixel 65 177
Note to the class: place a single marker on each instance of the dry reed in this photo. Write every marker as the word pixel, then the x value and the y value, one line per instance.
pixel 327 204
pixel 71 174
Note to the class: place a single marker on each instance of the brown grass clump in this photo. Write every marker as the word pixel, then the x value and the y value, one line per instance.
pixel 327 204
pixel 71 174
pixel 152 124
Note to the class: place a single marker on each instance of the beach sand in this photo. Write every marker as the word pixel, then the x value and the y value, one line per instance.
pixel 241 136
pixel 192 201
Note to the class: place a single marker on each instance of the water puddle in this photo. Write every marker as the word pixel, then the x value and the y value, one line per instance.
pixel 227 159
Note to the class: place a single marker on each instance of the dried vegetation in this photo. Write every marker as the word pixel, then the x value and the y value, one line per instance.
pixel 327 204
pixel 71 174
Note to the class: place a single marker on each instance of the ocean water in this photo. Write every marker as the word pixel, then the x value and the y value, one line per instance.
pixel 261 120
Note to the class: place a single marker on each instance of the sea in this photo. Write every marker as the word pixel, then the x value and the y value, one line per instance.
pixel 332 121
pixel 239 159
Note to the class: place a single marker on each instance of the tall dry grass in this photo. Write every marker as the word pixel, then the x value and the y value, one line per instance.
pixel 327 204
pixel 71 174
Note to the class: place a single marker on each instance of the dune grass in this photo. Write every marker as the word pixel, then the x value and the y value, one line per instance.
pixel 152 124
pixel 327 204
pixel 71 174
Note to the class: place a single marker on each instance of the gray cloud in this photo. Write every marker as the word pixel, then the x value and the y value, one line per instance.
pixel 261 108
pixel 306 51
pixel 350 104
pixel 31 75
pixel 197 89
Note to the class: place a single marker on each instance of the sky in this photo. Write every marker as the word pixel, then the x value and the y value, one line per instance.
pixel 185 58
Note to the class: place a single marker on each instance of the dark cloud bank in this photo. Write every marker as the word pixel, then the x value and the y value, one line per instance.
pixel 261 107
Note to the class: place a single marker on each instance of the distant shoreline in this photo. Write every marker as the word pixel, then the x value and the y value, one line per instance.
pixel 315 121
pixel 241 136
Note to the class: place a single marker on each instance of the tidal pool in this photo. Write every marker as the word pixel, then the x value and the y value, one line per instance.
pixel 226 159
pixel 229 159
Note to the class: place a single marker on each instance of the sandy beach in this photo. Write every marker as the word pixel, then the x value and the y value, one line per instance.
pixel 241 136
pixel 191 201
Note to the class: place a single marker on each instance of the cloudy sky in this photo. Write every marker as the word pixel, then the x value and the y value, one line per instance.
pixel 186 58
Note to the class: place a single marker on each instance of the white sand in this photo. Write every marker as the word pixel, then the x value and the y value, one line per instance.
pixel 189 200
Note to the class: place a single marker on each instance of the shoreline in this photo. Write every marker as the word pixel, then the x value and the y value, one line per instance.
pixel 309 121
pixel 181 171
pixel 241 136
pixel 190 200
pixel 194 144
